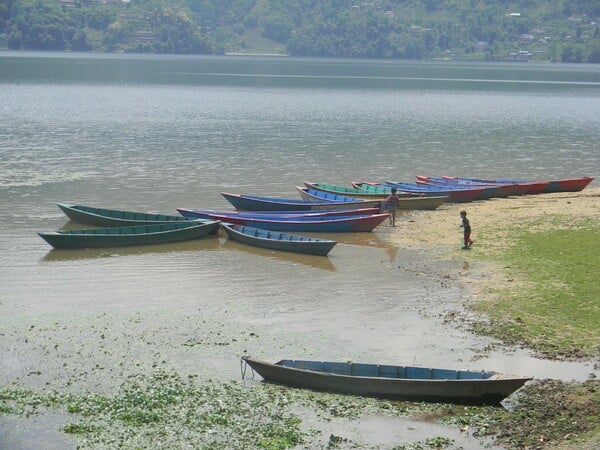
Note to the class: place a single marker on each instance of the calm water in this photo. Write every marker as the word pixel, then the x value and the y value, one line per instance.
pixel 154 133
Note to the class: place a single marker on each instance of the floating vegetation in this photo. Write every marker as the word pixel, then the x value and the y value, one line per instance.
pixel 166 410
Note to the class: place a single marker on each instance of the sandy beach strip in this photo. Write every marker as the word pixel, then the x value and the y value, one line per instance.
pixel 437 234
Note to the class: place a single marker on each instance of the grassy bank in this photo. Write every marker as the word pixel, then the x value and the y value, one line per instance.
pixel 546 297
pixel 551 303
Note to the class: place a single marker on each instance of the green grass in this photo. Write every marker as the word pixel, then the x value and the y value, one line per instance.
pixel 554 307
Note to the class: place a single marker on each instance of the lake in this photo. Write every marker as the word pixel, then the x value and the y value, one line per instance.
pixel 152 133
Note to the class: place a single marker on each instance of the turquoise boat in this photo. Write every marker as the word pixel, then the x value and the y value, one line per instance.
pixel 276 240
pixel 102 217
pixel 131 235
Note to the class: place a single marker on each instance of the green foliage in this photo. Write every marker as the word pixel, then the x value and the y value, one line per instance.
pixel 547 30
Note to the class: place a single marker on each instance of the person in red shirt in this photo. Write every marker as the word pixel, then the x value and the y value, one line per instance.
pixel 393 201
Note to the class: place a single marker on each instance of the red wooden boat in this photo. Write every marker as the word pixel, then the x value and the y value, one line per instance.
pixel 535 186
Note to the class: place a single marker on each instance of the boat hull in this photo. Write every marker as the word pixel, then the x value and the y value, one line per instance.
pixel 277 204
pixel 130 235
pixel 454 195
pixel 568 185
pixel 323 224
pixel 278 241
pixel 533 186
pixel 274 215
pixel 102 217
pixel 474 391
pixel 405 202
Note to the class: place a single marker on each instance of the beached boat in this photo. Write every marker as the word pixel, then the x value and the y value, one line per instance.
pixel 493 190
pixel 394 382
pixel 561 185
pixel 352 192
pixel 276 240
pixel 315 194
pixel 131 235
pixel 407 201
pixel 321 224
pixel 567 185
pixel 102 217
pixel 212 213
pixel 260 203
pixel 515 188
pixel 454 195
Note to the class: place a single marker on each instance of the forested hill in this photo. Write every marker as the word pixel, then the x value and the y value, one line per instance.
pixel 550 30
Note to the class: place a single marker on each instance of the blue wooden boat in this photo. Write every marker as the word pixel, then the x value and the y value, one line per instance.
pixel 322 224
pixel 276 240
pixel 492 190
pixel 505 189
pixel 259 203
pixel 103 217
pixel 453 195
pixel 131 235
pixel 393 382
pixel 212 213
pixel 536 186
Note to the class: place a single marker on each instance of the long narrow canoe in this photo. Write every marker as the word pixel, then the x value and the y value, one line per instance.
pixel 102 217
pixel 454 195
pixel 407 201
pixel 561 185
pixel 568 185
pixel 394 382
pixel 131 235
pixel 276 240
pixel 518 188
pixel 260 203
pixel 211 213
pixel 492 190
pixel 323 224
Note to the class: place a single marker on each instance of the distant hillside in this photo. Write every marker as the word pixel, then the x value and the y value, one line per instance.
pixel 550 30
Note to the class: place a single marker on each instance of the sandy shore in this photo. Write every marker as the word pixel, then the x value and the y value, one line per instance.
pixel 437 233
pixel 438 230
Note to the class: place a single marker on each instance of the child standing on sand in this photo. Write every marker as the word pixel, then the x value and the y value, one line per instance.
pixel 393 201
pixel 466 225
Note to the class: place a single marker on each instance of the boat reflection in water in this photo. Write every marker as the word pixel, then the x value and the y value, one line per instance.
pixel 206 244
pixel 318 262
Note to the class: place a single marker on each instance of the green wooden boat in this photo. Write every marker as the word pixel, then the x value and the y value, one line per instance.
pixel 376 194
pixel 102 217
pixel 131 235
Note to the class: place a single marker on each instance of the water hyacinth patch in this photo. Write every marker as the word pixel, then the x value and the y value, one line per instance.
pixel 167 410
